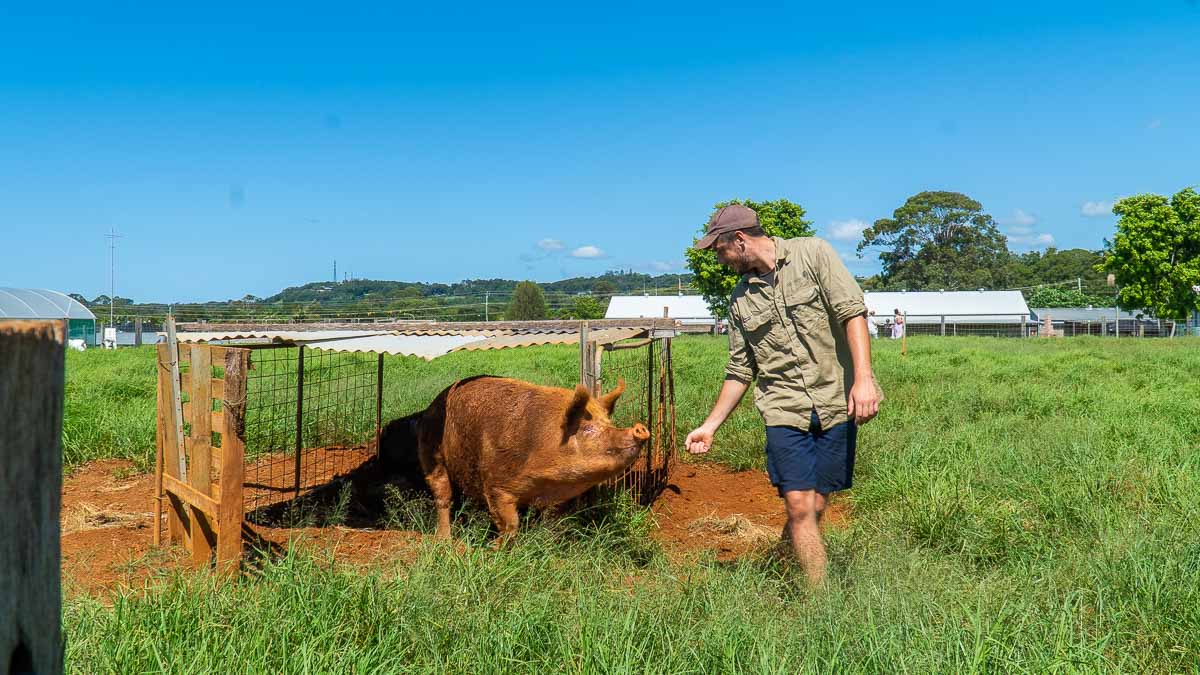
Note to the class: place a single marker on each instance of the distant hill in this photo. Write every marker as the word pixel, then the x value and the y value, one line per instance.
pixel 355 290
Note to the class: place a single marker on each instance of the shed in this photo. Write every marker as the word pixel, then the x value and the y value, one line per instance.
pixel 45 304
pixel 961 307
pixel 687 309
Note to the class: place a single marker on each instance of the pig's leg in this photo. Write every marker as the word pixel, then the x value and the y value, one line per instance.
pixel 503 508
pixel 443 493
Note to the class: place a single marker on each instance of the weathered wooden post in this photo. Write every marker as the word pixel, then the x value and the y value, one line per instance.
pixel 31 404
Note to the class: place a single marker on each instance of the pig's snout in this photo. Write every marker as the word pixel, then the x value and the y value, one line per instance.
pixel 640 433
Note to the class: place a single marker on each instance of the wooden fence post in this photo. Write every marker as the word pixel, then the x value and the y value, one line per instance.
pixel 31 404
pixel 230 510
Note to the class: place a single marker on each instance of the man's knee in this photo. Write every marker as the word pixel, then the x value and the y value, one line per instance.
pixel 803 505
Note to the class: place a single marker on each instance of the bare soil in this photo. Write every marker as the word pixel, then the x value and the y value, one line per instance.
pixel 107 514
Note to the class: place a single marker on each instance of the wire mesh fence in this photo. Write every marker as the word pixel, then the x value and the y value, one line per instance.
pixel 1024 325
pixel 311 416
pixel 649 398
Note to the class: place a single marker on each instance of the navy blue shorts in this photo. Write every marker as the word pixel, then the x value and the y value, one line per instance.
pixel 813 459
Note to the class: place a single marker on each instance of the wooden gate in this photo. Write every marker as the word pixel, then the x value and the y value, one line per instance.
pixel 201 439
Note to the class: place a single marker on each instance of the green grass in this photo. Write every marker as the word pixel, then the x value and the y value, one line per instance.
pixel 1020 505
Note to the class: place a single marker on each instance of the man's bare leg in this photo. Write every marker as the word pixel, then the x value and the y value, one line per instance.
pixel 804 509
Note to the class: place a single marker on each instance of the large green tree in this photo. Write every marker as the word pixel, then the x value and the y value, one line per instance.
pixel 584 308
pixel 1155 255
pixel 779 218
pixel 527 304
pixel 939 240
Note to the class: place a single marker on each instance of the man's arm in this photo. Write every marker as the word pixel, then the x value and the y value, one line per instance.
pixel 863 403
pixel 739 372
pixel 845 298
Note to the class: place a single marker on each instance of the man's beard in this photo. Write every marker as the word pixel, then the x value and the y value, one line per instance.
pixel 740 264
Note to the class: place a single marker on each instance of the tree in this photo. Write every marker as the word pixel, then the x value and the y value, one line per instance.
pixel 1049 296
pixel 604 288
pixel 939 240
pixel 527 304
pixel 583 308
pixel 1155 255
pixel 779 218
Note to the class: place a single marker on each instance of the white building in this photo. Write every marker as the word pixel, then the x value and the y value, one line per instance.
pixel 961 307
pixel 690 310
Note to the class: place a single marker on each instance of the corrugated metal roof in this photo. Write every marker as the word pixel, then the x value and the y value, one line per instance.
pixel 956 306
pixel 40 303
pixel 428 347
pixel 651 307
pixel 1079 313
pixel 296 336
pixel 603 336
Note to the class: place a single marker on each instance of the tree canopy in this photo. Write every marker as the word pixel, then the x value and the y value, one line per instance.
pixel 1155 254
pixel 939 240
pixel 528 303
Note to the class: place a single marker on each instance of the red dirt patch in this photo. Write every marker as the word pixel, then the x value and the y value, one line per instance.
pixel 107 514
pixel 710 497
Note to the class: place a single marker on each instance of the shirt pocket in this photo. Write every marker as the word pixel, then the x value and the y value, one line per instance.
pixel 805 307
pixel 760 339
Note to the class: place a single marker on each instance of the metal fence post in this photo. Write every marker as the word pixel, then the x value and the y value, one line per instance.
pixel 299 414
pixel 943 325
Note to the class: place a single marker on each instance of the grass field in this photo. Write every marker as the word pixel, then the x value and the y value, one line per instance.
pixel 1019 505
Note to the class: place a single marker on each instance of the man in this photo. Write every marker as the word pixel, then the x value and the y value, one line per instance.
pixel 798 326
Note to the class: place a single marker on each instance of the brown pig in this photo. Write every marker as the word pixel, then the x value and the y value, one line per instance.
pixel 510 443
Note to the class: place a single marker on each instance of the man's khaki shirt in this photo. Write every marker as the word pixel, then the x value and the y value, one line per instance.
pixel 788 332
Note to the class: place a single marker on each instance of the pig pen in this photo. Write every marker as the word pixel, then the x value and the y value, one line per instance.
pixel 287 414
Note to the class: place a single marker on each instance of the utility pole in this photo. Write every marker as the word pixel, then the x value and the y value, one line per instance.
pixel 485 305
pixel 335 279
pixel 112 238
pixel 1079 285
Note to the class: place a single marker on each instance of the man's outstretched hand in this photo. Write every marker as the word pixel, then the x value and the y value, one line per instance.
pixel 699 441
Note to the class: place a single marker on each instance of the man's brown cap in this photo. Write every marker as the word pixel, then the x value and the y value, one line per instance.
pixel 727 219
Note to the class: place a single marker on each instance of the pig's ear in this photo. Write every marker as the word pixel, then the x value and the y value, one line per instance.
pixel 578 405
pixel 609 400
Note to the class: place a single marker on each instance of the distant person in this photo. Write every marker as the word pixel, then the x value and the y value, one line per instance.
pixel 872 327
pixel 797 325
pixel 897 325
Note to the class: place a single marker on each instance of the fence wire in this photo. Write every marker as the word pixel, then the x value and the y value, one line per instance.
pixel 649 398
pixel 1022 325
pixel 310 417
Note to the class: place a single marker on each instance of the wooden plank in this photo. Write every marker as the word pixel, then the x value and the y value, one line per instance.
pixel 32 355
pixel 217 354
pixel 217 421
pixel 233 428
pixel 171 448
pixel 200 452
pixel 156 505
pixel 190 496
pixel 218 386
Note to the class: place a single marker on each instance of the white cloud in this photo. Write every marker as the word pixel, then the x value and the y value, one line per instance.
pixel 846 230
pixel 1021 218
pixel 551 245
pixel 587 252
pixel 1018 230
pixel 662 266
pixel 1093 209
pixel 1032 240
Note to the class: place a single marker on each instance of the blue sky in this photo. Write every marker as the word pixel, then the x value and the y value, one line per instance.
pixel 241 149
